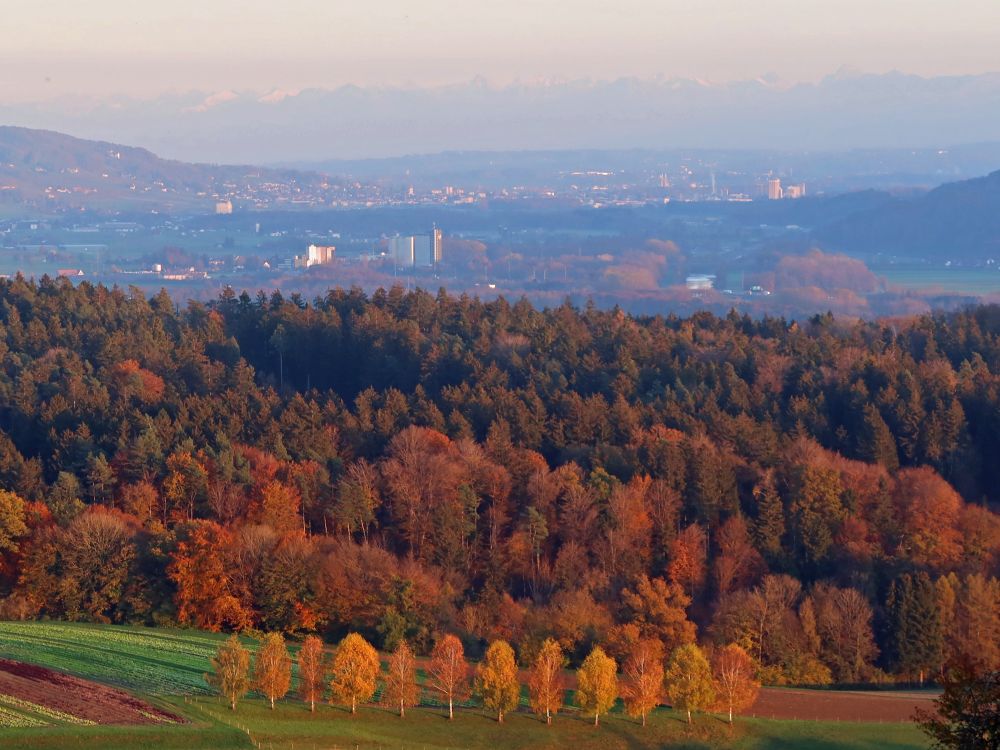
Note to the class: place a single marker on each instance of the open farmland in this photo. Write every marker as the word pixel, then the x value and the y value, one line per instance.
pixel 143 660
pixel 51 697
pixel 167 667
pixel 841 705
pixel 982 280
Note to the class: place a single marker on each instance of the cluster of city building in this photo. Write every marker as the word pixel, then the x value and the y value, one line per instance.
pixel 776 192
pixel 315 255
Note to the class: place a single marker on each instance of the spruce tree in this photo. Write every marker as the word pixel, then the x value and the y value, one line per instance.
pixel 769 525
pixel 915 621
pixel 875 441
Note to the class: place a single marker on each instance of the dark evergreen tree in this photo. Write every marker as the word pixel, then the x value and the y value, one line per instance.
pixel 875 441
pixel 768 527
pixel 917 640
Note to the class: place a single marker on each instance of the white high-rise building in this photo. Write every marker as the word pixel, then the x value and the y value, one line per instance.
pixel 416 250
pixel 437 241
pixel 316 255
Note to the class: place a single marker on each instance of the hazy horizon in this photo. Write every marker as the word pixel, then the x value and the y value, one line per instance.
pixel 840 112
pixel 112 48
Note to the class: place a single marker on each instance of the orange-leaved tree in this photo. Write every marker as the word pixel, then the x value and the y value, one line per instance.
pixel 272 668
pixel 496 679
pixel 206 596
pixel 643 673
pixel 354 671
pixel 448 673
pixel 401 679
pixel 546 684
pixel 597 683
pixel 735 685
pixel 312 671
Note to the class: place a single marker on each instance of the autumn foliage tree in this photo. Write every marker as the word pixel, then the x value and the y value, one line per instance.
pixel 272 668
pixel 448 672
pixel 597 684
pixel 230 673
pixel 401 679
pixel 687 559
pixel 658 609
pixel 439 462
pixel 735 686
pixel 354 671
pixel 205 594
pixel 12 529
pixel 496 679
pixel 312 671
pixel 643 683
pixel 688 680
pixel 12 525
pixel 546 684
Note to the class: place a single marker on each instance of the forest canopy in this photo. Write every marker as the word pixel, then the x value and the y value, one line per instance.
pixel 403 465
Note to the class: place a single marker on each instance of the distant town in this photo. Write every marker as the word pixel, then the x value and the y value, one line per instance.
pixel 680 230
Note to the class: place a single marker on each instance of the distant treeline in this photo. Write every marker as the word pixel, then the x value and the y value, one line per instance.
pixel 406 465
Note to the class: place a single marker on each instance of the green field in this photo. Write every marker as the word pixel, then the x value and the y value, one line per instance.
pixel 167 666
pixel 941 279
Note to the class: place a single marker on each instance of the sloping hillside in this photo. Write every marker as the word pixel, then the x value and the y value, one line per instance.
pixel 959 221
pixel 47 172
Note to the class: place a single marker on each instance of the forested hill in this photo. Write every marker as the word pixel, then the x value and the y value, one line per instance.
pixel 406 465
pixel 45 171
pixel 958 221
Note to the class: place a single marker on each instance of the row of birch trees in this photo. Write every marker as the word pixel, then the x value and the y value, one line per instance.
pixel 689 680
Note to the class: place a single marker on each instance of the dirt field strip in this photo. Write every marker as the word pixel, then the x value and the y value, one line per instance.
pixel 54 697
pixel 839 705
pixel 818 704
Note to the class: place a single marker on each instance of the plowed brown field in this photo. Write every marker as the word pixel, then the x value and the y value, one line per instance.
pixel 80 698
pixel 839 705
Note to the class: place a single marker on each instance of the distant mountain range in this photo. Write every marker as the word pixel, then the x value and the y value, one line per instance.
pixel 43 170
pixel 842 111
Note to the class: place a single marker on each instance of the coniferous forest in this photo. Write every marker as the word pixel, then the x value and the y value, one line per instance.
pixel 405 465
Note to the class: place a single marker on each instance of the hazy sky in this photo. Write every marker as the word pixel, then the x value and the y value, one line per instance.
pixel 145 47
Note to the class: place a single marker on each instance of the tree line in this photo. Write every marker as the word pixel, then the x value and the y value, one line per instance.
pixel 403 465
pixel 353 675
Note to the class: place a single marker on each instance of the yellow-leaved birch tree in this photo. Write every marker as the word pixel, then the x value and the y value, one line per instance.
pixel 354 671
pixel 546 684
pixel 597 684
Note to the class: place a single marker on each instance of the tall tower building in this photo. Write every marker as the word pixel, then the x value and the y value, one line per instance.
pixel 774 191
pixel 417 249
pixel 437 241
